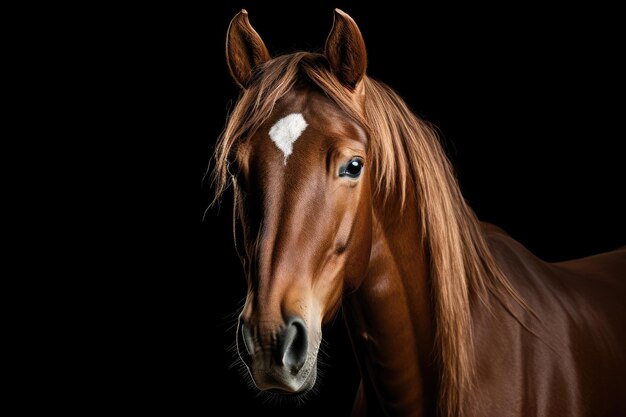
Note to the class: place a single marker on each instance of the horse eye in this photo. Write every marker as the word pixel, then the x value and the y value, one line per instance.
pixel 352 169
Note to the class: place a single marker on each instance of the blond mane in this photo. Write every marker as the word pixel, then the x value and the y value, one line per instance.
pixel 407 158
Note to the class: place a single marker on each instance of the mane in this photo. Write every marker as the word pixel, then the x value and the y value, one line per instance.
pixel 407 159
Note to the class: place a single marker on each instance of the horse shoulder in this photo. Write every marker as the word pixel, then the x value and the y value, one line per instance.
pixel 564 354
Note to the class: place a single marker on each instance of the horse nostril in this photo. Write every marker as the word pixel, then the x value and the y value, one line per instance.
pixel 293 345
pixel 244 338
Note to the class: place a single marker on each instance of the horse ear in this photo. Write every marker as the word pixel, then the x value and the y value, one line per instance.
pixel 345 50
pixel 245 49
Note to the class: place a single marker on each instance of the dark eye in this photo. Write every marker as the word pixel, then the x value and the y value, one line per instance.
pixel 352 169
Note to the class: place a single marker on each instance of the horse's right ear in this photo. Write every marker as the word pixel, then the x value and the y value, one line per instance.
pixel 244 49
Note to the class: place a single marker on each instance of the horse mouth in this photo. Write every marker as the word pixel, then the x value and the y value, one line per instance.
pixel 288 386
pixel 285 393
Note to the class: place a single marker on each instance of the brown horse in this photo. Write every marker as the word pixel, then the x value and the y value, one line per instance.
pixel 343 197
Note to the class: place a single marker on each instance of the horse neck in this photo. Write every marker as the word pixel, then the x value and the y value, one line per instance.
pixel 390 318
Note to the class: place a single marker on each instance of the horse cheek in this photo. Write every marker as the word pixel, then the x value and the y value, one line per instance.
pixel 358 256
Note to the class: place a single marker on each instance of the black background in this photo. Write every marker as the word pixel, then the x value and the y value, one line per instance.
pixel 530 105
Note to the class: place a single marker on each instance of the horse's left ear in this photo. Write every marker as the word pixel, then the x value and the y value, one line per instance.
pixel 345 50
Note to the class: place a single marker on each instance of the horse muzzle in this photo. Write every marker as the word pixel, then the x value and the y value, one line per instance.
pixel 280 358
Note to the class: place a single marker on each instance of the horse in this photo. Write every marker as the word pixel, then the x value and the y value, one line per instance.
pixel 344 198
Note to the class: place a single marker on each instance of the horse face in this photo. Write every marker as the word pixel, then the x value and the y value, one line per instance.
pixel 303 209
pixel 304 233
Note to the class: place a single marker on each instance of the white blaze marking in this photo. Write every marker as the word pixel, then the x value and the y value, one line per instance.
pixel 285 132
